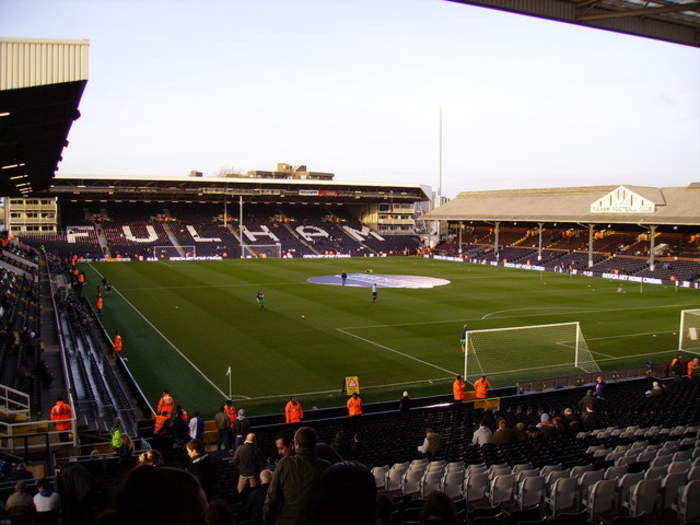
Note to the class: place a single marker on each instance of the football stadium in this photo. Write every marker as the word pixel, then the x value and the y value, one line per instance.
pixel 288 346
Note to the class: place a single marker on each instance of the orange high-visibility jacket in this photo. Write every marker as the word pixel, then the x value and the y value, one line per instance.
pixel 481 387
pixel 117 343
pixel 160 424
pixel 166 404
pixel 81 277
pixel 184 416
pixel 354 406
pixel 231 412
pixel 293 412
pixel 100 303
pixel 60 412
pixel 458 389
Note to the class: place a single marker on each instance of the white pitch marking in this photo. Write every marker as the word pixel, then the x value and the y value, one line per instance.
pixel 395 351
pixel 223 395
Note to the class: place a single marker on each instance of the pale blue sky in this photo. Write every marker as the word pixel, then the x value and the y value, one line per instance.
pixel 354 87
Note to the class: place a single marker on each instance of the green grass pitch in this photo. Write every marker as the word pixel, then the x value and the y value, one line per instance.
pixel 184 323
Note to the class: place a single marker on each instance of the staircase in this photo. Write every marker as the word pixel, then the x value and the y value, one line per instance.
pixel 102 238
pixel 173 239
pixel 301 241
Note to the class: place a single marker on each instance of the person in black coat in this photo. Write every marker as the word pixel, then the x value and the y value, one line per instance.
pixel 203 467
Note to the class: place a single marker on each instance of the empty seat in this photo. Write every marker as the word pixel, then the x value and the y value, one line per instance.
pixel 644 498
pixel 578 470
pixel 501 490
pixel 395 475
pixel 563 496
pixel 379 474
pixel 555 475
pixel 550 468
pixel 586 482
pixel 615 472
pixel 476 487
pixel 670 484
pixel 661 461
pixel 522 466
pixel 656 473
pixel 679 466
pixel 682 455
pixel 530 492
pixel 603 499
pixel 694 473
pixel 453 484
pixel 626 482
pixel 689 502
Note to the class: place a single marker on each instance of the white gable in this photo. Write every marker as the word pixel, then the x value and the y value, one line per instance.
pixel 623 200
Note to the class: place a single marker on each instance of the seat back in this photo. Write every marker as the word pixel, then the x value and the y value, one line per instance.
pixel 689 502
pixel 531 492
pixel 476 487
pixel 502 489
pixel 379 474
pixel 395 475
pixel 580 469
pixel 453 484
pixel 626 482
pixel 644 498
pixel 563 496
pixel 694 473
pixel 603 498
pixel 615 472
pixel 669 487
pixel 550 468
pixel 555 475
pixel 679 466
pixel 656 472
pixel 661 461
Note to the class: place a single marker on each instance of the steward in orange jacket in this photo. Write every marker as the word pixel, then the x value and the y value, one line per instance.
pixel 100 305
pixel 481 388
pixel 61 411
pixel 117 344
pixel 458 387
pixel 166 404
pixel 231 412
pixel 161 420
pixel 293 411
pixel 354 405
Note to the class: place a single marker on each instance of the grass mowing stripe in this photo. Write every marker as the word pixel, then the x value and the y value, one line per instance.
pixel 161 334
pixel 395 351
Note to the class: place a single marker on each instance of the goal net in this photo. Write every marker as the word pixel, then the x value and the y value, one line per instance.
pixel 554 349
pixel 262 251
pixel 689 331
pixel 168 252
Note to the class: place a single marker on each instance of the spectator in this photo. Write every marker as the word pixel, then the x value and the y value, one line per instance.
pixel 151 458
pixel 678 367
pixel 520 433
pixel 249 461
pixel 348 495
pixel 341 444
pixel 284 442
pixel 47 504
pixel 76 485
pixel 203 467
pixel 256 498
pixel 404 404
pixel 223 427
pixel 439 510
pixel 125 450
pixel 655 390
pixel 694 369
pixel 482 435
pixel 241 427
pixel 587 402
pixel 571 422
pixel 545 425
pixel 20 505
pixel 503 434
pixel 151 496
pixel 433 445
pixel 600 390
pixel 196 426
pixel 296 482
pixel 181 430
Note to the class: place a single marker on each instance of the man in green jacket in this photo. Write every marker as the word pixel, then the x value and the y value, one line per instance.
pixel 295 485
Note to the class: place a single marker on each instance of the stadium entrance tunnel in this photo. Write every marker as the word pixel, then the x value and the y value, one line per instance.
pixel 366 280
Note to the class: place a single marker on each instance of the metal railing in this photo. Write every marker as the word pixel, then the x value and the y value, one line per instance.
pixel 13 401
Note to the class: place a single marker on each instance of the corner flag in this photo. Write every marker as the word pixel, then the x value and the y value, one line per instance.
pixel 228 372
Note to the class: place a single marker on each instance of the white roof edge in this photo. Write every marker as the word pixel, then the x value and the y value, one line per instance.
pixel 221 180
pixel 44 40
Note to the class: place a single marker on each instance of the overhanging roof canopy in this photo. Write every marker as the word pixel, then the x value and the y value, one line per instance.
pixel 41 83
pixel 588 204
pixel 676 21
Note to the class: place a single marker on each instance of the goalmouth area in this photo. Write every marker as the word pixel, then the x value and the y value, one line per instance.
pixel 185 323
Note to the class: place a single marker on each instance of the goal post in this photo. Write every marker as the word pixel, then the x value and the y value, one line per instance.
pixel 168 252
pixel 262 251
pixel 689 331
pixel 559 349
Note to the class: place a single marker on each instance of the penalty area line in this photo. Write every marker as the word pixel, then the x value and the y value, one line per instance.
pixel 389 349
pixel 162 335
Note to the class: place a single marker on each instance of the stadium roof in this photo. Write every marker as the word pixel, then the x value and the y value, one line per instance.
pixel 676 21
pixel 143 187
pixel 588 204
pixel 41 83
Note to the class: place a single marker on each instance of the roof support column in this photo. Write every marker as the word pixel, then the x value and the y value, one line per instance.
pixel 240 224
pixel 652 245
pixel 539 241
pixel 590 244
pixel 496 231
pixel 459 246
